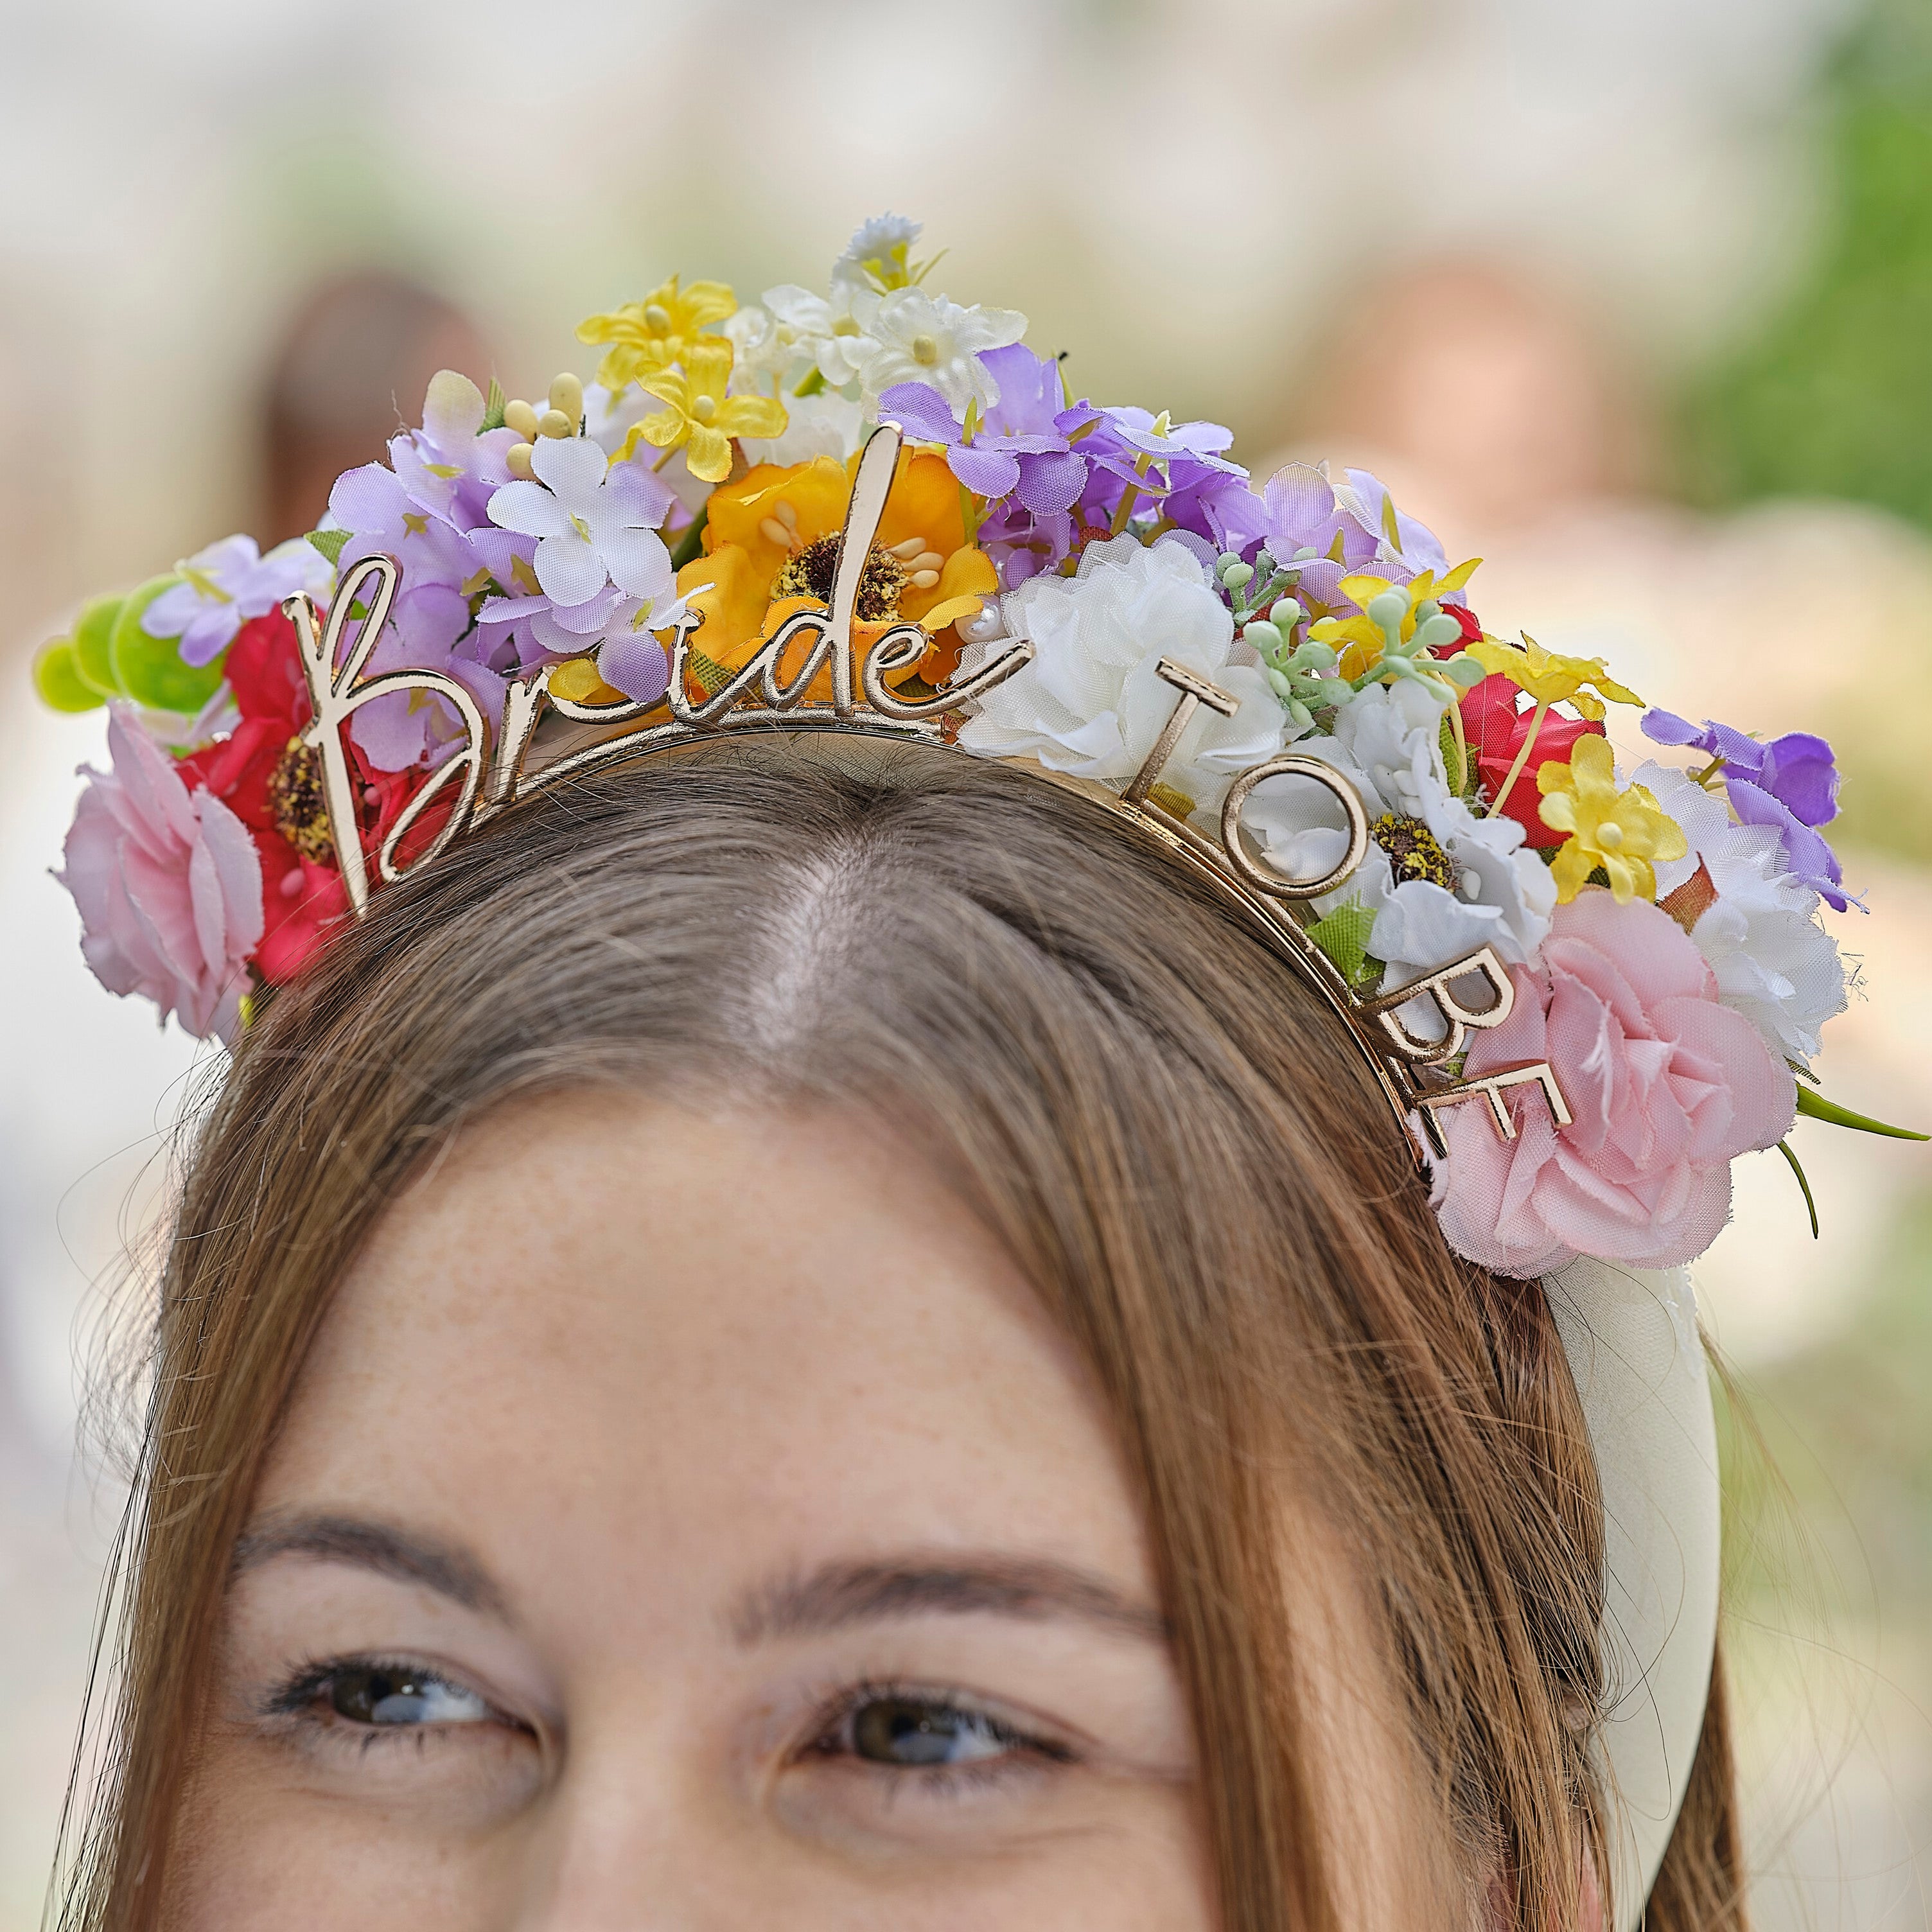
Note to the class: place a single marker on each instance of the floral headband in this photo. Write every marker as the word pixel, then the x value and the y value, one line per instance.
pixel 1628 966
pixel 1585 986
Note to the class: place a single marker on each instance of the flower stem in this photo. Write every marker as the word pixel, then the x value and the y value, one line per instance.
pixel 1129 496
pixel 1462 742
pixel 1522 758
pixel 663 459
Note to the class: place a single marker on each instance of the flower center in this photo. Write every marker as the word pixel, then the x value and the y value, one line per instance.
pixel 582 528
pixel 809 573
pixel 657 319
pixel 925 351
pixel 1414 851
pixel 703 408
pixel 1609 836
pixel 296 800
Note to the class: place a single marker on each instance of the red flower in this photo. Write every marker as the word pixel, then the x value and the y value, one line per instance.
pixel 1495 730
pixel 1464 616
pixel 263 773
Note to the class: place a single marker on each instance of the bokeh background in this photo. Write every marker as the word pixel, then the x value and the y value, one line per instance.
pixel 1635 300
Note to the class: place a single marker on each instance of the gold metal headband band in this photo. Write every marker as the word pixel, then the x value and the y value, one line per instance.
pixel 1415 1071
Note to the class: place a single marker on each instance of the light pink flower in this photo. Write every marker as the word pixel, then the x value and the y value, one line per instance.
pixel 168 884
pixel 1667 1086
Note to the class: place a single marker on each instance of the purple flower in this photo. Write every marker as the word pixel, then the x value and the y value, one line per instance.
pixel 225 585
pixel 1790 783
pixel 1020 458
pixel 452 465
pixel 1020 448
pixel 429 629
pixel 1345 525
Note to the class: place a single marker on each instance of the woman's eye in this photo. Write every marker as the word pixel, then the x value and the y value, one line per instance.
pixel 902 1731
pixel 394 1694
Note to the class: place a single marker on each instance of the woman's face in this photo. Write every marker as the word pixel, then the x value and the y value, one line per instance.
pixel 690 1521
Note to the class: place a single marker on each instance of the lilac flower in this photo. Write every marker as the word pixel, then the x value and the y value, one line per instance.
pixel 595 523
pixel 1345 525
pixel 426 631
pixel 1020 447
pixel 225 585
pixel 1790 783
pixel 452 466
pixel 1178 466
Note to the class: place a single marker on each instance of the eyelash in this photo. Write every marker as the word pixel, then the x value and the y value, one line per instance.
pixel 295 1702
pixel 1025 1751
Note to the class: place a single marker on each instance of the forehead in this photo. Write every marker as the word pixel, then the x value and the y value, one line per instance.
pixel 603 1323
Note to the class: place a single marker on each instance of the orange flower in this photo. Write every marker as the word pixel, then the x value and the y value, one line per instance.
pixel 772 545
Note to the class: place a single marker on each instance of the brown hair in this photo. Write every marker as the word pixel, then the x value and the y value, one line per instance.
pixel 1176 1140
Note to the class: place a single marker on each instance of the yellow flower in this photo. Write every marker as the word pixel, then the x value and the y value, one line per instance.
pixel 771 543
pixel 1624 831
pixel 702 415
pixel 1358 640
pixel 1550 678
pixel 647 336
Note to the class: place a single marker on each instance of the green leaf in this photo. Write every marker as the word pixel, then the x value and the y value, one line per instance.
pixel 692 542
pixel 330 542
pixel 492 417
pixel 58 679
pixel 712 676
pixel 91 631
pixel 1804 1186
pixel 1343 934
pixel 150 670
pixel 1814 1103
pixel 1453 762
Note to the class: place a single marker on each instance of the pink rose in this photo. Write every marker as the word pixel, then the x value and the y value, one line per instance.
pixel 168 884
pixel 1667 1087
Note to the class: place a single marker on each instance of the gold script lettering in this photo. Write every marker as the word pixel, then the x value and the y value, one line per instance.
pixel 336 694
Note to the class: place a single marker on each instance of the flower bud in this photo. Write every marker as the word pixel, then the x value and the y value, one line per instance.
pixel 519 416
pixel 518 459
pixel 566 394
pixel 1262 636
pixel 554 424
pixel 1386 611
pixel 1236 574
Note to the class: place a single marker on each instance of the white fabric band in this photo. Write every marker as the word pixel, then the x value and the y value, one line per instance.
pixel 1634 1349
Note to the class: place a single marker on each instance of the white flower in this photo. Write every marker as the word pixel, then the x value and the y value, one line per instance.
pixel 830 330
pixel 595 525
pixel 1762 935
pixel 916 337
pixel 1091 703
pixel 1387 744
pixel 826 425
pixel 608 415
pixel 760 355
pixel 225 585
pixel 886 237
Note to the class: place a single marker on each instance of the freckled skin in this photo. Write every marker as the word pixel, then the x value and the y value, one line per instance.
pixel 631 1419
pixel 634 1425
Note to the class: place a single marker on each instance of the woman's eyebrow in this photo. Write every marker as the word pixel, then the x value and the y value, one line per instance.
pixel 410 1556
pixel 838 1594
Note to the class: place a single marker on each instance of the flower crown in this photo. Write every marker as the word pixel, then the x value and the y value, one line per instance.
pixel 1586 988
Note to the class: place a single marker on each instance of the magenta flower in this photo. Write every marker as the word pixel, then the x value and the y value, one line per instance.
pixel 1667 1085
pixel 1790 783
pixel 168 884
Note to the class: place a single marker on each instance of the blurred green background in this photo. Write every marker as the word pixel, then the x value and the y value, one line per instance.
pixel 1634 301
